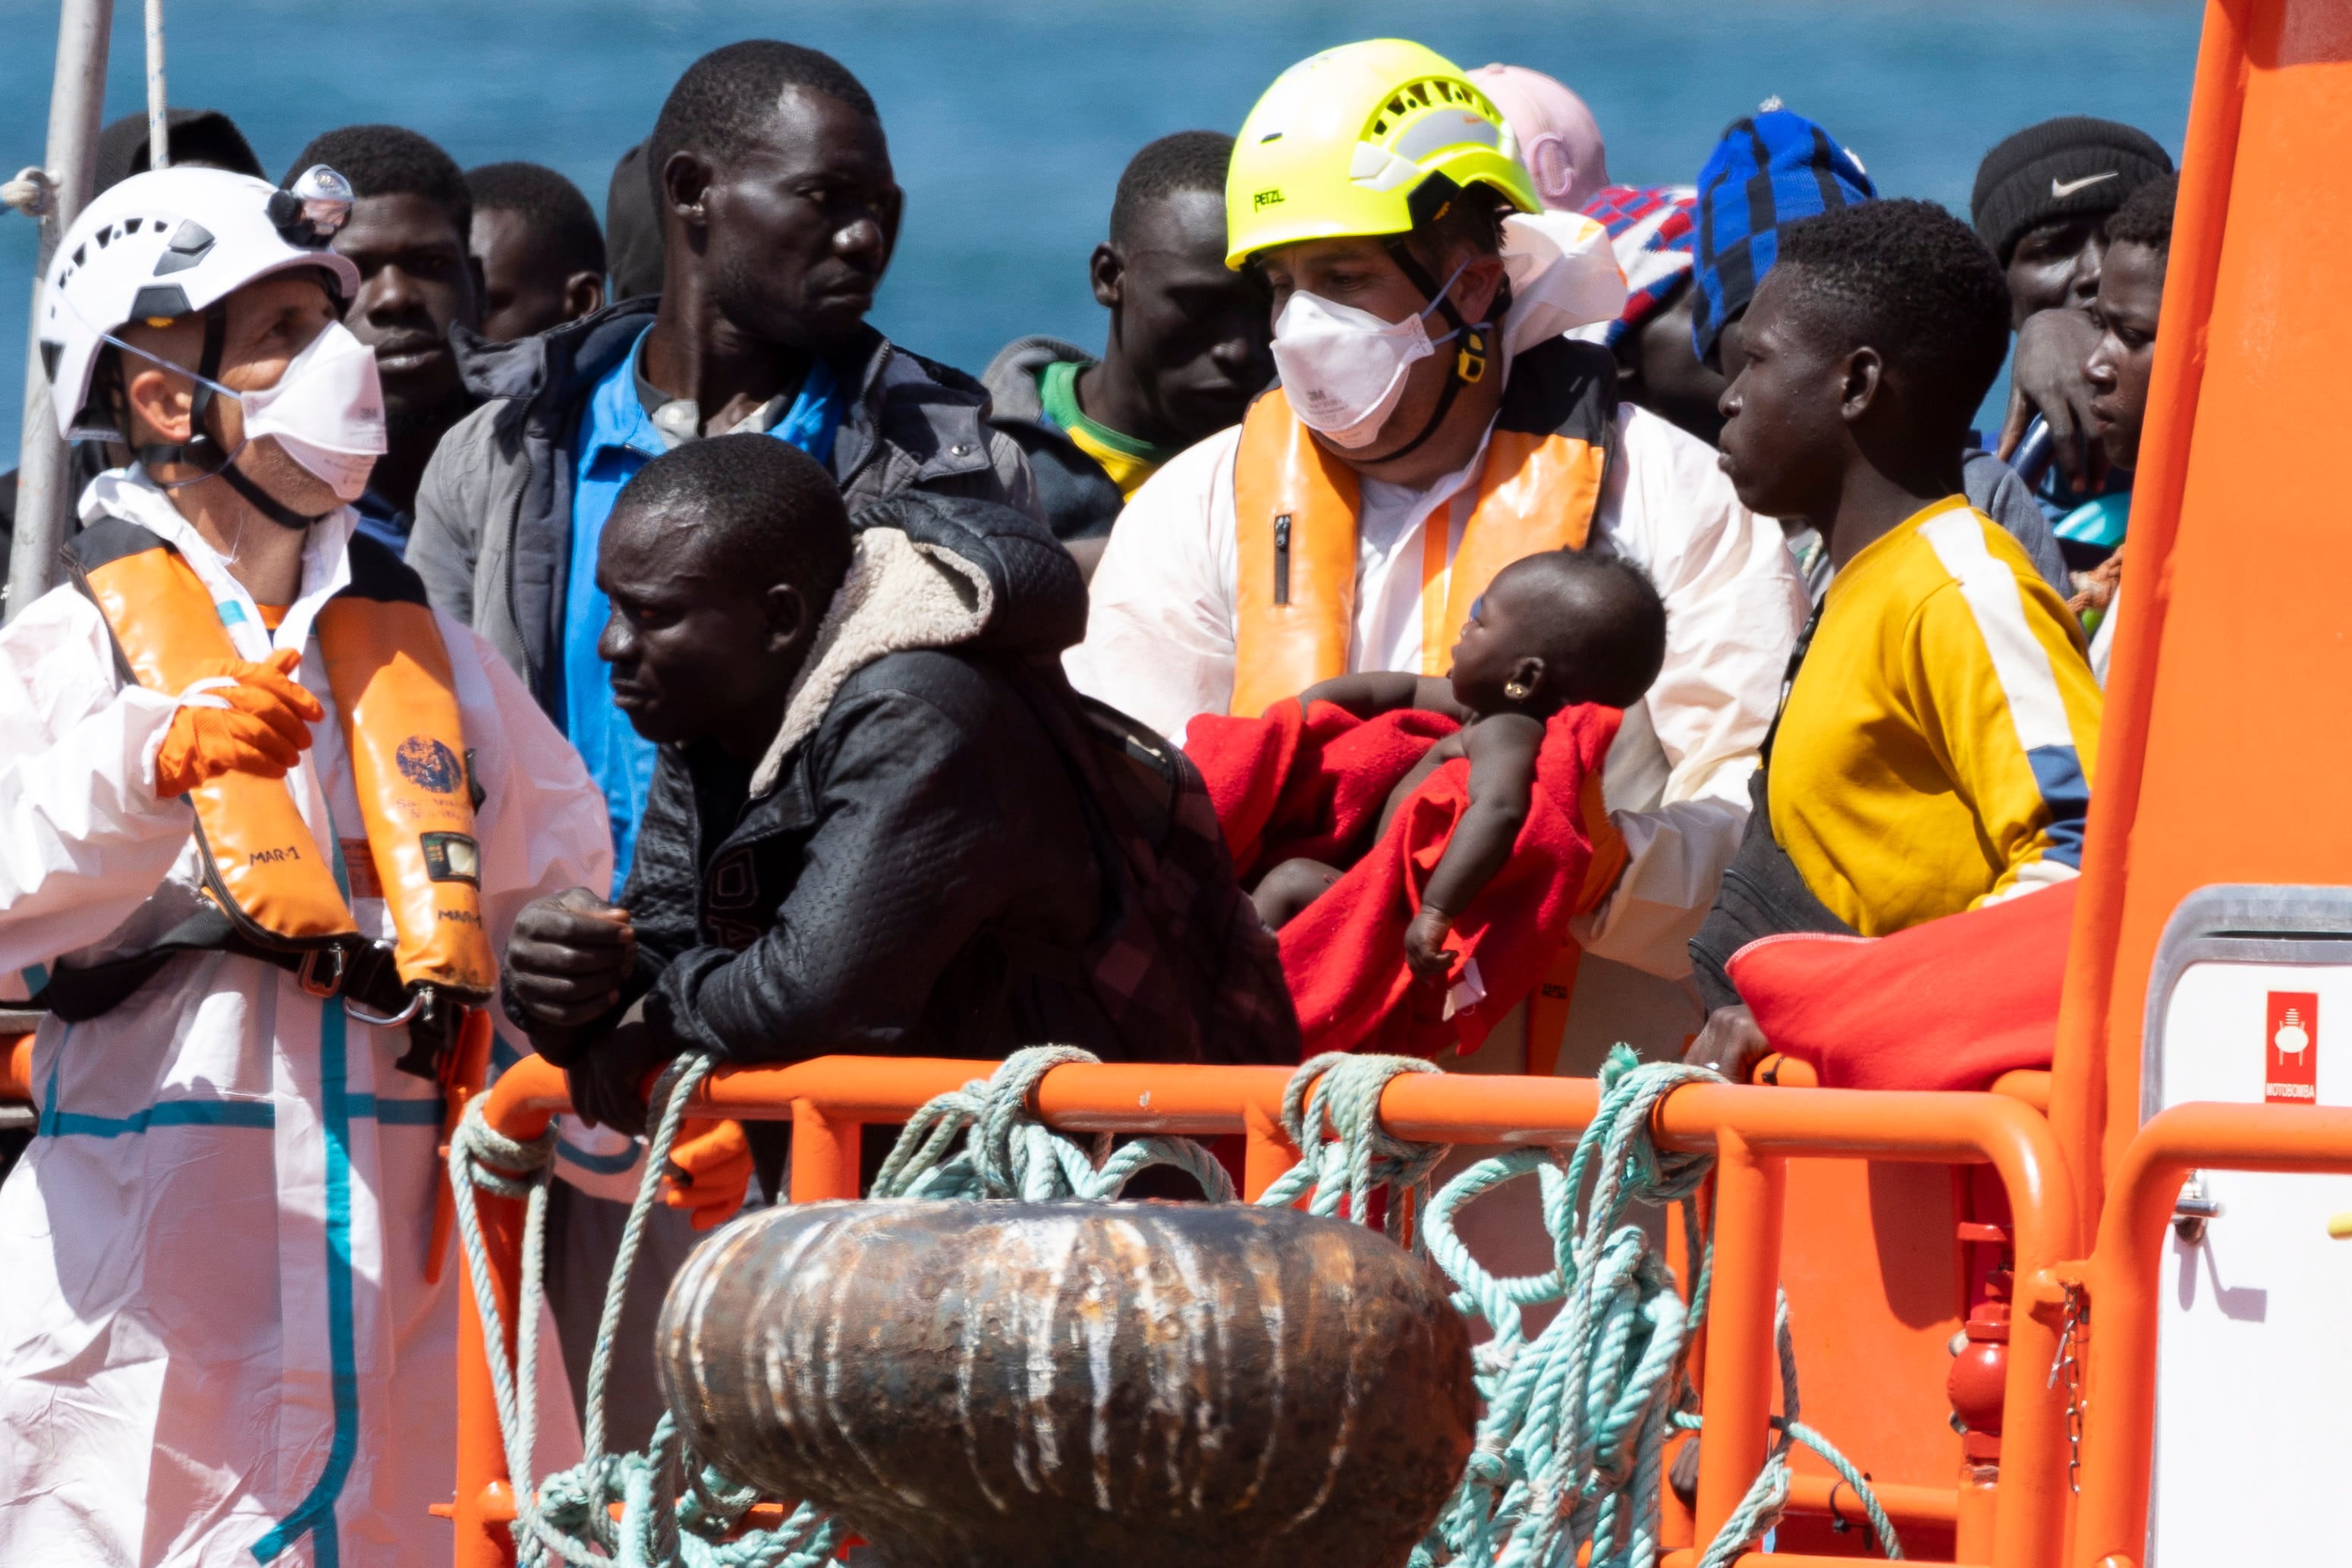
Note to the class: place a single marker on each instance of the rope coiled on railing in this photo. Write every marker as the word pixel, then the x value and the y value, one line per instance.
pixel 1568 1460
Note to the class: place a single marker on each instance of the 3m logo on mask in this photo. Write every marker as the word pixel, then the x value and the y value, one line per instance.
pixel 430 764
pixel 1265 199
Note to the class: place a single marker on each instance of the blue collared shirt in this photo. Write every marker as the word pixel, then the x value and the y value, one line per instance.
pixel 383 521
pixel 617 438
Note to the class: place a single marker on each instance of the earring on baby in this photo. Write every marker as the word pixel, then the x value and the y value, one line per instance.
pixel 1517 691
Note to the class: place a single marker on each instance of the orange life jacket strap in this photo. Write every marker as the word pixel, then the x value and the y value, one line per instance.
pixel 1296 509
pixel 389 675
pixel 396 699
pixel 262 865
pixel 1535 493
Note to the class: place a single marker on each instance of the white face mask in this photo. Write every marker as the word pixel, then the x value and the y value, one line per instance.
pixel 326 411
pixel 326 408
pixel 1343 368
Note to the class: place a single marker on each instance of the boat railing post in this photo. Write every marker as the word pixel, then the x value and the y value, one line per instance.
pixel 1741 1375
pixel 826 1152
pixel 77 95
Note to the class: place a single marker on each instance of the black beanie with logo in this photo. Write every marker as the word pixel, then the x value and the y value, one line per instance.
pixel 2060 169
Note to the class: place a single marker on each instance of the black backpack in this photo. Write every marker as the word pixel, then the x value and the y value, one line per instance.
pixel 1180 962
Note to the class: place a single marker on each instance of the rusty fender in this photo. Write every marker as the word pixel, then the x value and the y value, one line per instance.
pixel 1111 1386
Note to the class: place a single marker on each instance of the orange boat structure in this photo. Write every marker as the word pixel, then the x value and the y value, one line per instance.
pixel 1977 1281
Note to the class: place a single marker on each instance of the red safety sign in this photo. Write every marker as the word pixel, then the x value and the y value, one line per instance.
pixel 2291 1048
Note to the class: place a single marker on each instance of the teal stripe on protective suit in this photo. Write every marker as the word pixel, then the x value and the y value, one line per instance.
pixel 602 1164
pixel 255 1114
pixel 52 1122
pixel 315 1515
pixel 389 1112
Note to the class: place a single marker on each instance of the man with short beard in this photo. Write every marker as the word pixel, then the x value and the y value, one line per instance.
pixel 408 236
pixel 780 212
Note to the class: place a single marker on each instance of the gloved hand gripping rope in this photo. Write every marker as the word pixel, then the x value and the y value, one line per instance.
pixel 1570 1449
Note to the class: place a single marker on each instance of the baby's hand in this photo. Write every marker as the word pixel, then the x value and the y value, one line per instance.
pixel 1425 944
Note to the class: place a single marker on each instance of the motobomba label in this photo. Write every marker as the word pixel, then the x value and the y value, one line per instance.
pixel 2291 1048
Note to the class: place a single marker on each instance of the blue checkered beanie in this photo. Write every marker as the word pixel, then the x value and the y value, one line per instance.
pixel 1771 168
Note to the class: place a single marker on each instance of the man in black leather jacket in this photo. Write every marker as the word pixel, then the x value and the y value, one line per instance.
pixel 857 817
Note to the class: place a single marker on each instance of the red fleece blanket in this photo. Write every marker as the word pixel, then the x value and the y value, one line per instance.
pixel 1952 1004
pixel 1313 784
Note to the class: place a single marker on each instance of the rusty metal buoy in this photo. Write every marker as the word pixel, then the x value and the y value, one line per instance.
pixel 1079 1386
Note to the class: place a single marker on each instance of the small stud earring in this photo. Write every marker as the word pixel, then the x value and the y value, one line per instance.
pixel 1517 691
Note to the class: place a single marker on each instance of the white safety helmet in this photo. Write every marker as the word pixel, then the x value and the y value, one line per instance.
pixel 168 243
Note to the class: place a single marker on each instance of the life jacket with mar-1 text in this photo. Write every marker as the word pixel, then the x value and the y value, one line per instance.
pixel 1296 509
pixel 271 893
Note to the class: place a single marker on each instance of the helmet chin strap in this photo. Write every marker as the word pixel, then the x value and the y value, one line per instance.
pixel 1473 350
pixel 203 451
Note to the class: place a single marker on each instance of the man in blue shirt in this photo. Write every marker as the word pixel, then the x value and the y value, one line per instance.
pixel 779 212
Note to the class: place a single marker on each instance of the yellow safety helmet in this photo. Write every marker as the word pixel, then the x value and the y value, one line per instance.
pixel 1343 140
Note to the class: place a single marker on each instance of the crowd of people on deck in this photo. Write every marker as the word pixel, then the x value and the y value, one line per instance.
pixel 660 659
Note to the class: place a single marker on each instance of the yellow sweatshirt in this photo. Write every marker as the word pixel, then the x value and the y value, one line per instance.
pixel 1936 751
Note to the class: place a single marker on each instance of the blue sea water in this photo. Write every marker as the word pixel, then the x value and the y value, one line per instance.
pixel 1009 121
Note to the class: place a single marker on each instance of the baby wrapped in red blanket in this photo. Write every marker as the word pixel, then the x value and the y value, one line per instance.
pixel 1383 813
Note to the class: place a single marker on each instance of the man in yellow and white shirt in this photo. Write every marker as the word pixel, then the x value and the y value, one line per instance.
pixel 1934 751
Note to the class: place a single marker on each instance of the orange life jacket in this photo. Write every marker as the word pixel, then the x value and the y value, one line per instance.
pixel 276 894
pixel 1296 509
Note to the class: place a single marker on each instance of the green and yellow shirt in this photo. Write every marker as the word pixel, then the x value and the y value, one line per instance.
pixel 1127 461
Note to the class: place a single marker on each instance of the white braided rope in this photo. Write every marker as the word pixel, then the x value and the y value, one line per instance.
pixel 34 192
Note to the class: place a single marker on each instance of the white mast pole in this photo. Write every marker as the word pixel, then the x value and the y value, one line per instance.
pixel 77 96
pixel 159 128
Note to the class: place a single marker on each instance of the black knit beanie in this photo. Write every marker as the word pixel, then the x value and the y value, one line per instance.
pixel 2059 168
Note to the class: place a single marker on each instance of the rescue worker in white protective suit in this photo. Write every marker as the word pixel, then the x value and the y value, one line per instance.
pixel 257 803
pixel 1432 425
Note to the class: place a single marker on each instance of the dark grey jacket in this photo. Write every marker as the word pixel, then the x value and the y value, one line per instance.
pixel 493 538
pixel 920 832
pixel 1077 497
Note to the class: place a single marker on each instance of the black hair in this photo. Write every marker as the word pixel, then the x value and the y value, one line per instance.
pixel 393 161
pixel 2146 216
pixel 1187 161
pixel 1466 216
pixel 195 136
pixel 557 214
pixel 1910 281
pixel 633 231
pixel 1603 625
pixel 728 96
pixel 769 511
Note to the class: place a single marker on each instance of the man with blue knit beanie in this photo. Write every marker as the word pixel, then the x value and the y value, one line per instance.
pixel 1771 168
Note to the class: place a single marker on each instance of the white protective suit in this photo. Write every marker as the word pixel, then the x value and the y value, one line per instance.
pixel 216 1344
pixel 1160 638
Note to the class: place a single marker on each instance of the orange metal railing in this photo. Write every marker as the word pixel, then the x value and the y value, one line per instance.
pixel 17 1069
pixel 2123 1279
pixel 1752 1130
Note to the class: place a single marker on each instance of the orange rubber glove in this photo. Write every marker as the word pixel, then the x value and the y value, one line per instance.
pixel 709 1172
pixel 259 724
